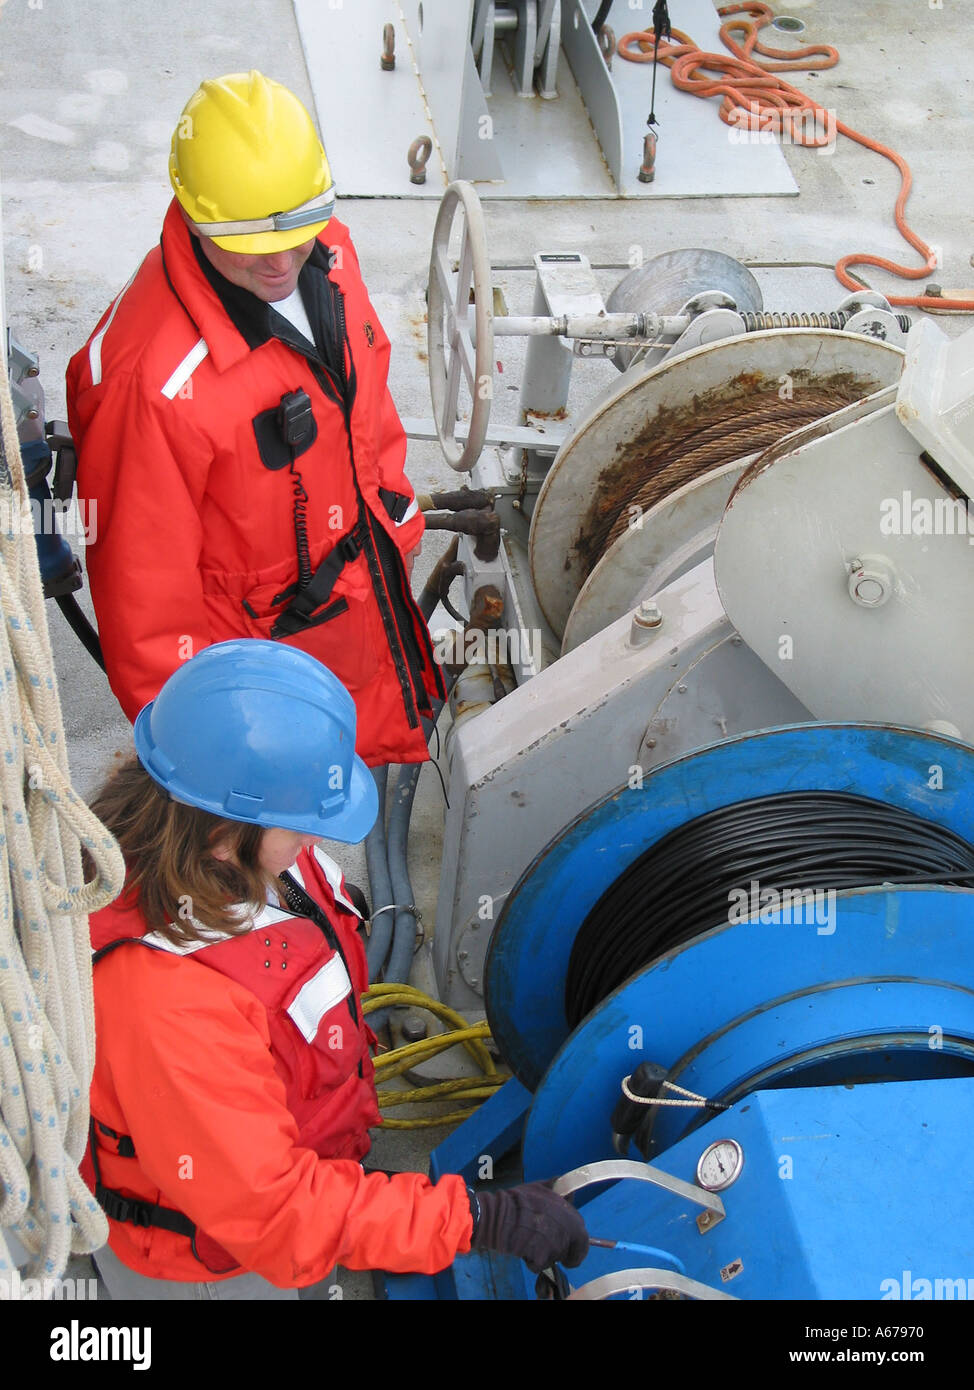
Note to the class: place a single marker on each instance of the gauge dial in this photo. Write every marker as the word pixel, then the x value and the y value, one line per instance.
pixel 720 1165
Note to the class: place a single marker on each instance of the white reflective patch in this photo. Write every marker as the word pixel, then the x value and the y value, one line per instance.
pixel 322 992
pixel 410 512
pixel 268 916
pixel 333 874
pixel 185 369
pixel 184 948
pixel 94 349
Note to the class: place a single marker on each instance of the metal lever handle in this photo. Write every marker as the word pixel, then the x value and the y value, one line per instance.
pixel 626 1279
pixel 614 1168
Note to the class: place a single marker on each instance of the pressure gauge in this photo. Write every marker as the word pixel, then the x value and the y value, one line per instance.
pixel 720 1165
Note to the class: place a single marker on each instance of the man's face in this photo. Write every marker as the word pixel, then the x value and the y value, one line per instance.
pixel 270 278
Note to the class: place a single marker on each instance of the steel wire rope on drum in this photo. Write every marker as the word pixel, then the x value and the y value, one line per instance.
pixel 720 434
pixel 755 99
pixel 788 844
pixel 46 999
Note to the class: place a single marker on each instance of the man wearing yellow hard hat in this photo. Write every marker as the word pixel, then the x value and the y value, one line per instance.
pixel 236 432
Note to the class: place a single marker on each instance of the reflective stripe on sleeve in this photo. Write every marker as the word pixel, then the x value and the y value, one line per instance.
pixel 185 369
pixel 94 347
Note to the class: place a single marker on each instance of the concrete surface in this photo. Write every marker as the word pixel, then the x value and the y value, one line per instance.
pixel 89 95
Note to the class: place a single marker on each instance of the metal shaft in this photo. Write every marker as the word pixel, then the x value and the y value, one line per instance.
pixel 592 326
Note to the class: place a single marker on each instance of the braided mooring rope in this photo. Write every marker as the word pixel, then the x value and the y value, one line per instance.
pixel 46 1004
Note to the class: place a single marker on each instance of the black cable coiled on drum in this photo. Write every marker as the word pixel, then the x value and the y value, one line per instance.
pixel 682 885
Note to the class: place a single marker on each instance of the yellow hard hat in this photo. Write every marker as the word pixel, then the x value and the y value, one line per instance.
pixel 248 168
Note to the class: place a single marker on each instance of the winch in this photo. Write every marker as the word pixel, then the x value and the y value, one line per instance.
pixel 708 855
pixel 609 640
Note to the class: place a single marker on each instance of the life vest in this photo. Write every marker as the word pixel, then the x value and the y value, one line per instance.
pixel 308 972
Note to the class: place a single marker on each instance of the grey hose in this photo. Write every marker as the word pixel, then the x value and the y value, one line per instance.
pixel 387 858
pixel 377 946
pixel 404 938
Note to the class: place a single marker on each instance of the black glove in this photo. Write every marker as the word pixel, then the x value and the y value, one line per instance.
pixel 531 1222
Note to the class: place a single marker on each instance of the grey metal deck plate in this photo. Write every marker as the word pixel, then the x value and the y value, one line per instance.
pixel 368 118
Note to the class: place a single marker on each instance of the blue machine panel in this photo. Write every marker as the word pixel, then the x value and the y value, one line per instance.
pixel 846 1193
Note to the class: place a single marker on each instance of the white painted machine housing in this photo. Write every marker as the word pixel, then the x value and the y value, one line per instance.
pixel 639 693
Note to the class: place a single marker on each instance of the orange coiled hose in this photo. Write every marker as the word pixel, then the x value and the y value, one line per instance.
pixel 755 100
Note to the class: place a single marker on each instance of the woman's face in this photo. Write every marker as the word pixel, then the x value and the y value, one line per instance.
pixel 278 849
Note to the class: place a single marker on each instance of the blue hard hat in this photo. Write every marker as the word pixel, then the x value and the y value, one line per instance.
pixel 260 732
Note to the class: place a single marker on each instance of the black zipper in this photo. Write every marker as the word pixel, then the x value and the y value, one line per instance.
pixel 392 565
pixel 370 548
pixel 403 618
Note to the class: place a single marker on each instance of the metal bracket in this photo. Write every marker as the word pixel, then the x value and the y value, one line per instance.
pixel 625 1280
pixel 546 49
pixel 613 1168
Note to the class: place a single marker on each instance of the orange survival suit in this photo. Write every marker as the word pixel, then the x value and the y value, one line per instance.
pixel 244 482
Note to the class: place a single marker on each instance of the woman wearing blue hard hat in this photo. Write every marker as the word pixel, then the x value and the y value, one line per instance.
pixel 233 1087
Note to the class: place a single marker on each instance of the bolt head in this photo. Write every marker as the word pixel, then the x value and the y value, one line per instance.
pixel 648 614
pixel 414 1027
pixel 871 581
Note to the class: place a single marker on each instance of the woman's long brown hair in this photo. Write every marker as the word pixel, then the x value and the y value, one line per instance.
pixel 172 873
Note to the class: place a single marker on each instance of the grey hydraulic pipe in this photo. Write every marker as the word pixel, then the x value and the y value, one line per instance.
pixel 380 885
pixel 404 936
pixel 394 857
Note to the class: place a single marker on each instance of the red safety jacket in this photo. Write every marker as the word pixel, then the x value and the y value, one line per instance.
pixel 233 1084
pixel 210 513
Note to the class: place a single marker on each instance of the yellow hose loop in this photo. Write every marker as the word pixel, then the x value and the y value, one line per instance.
pixel 391 995
pixel 381 996
pixel 403 1059
pixel 454 1117
pixel 474 1089
pixel 471 1087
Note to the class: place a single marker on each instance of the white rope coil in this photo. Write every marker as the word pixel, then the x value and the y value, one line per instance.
pixel 46 1002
